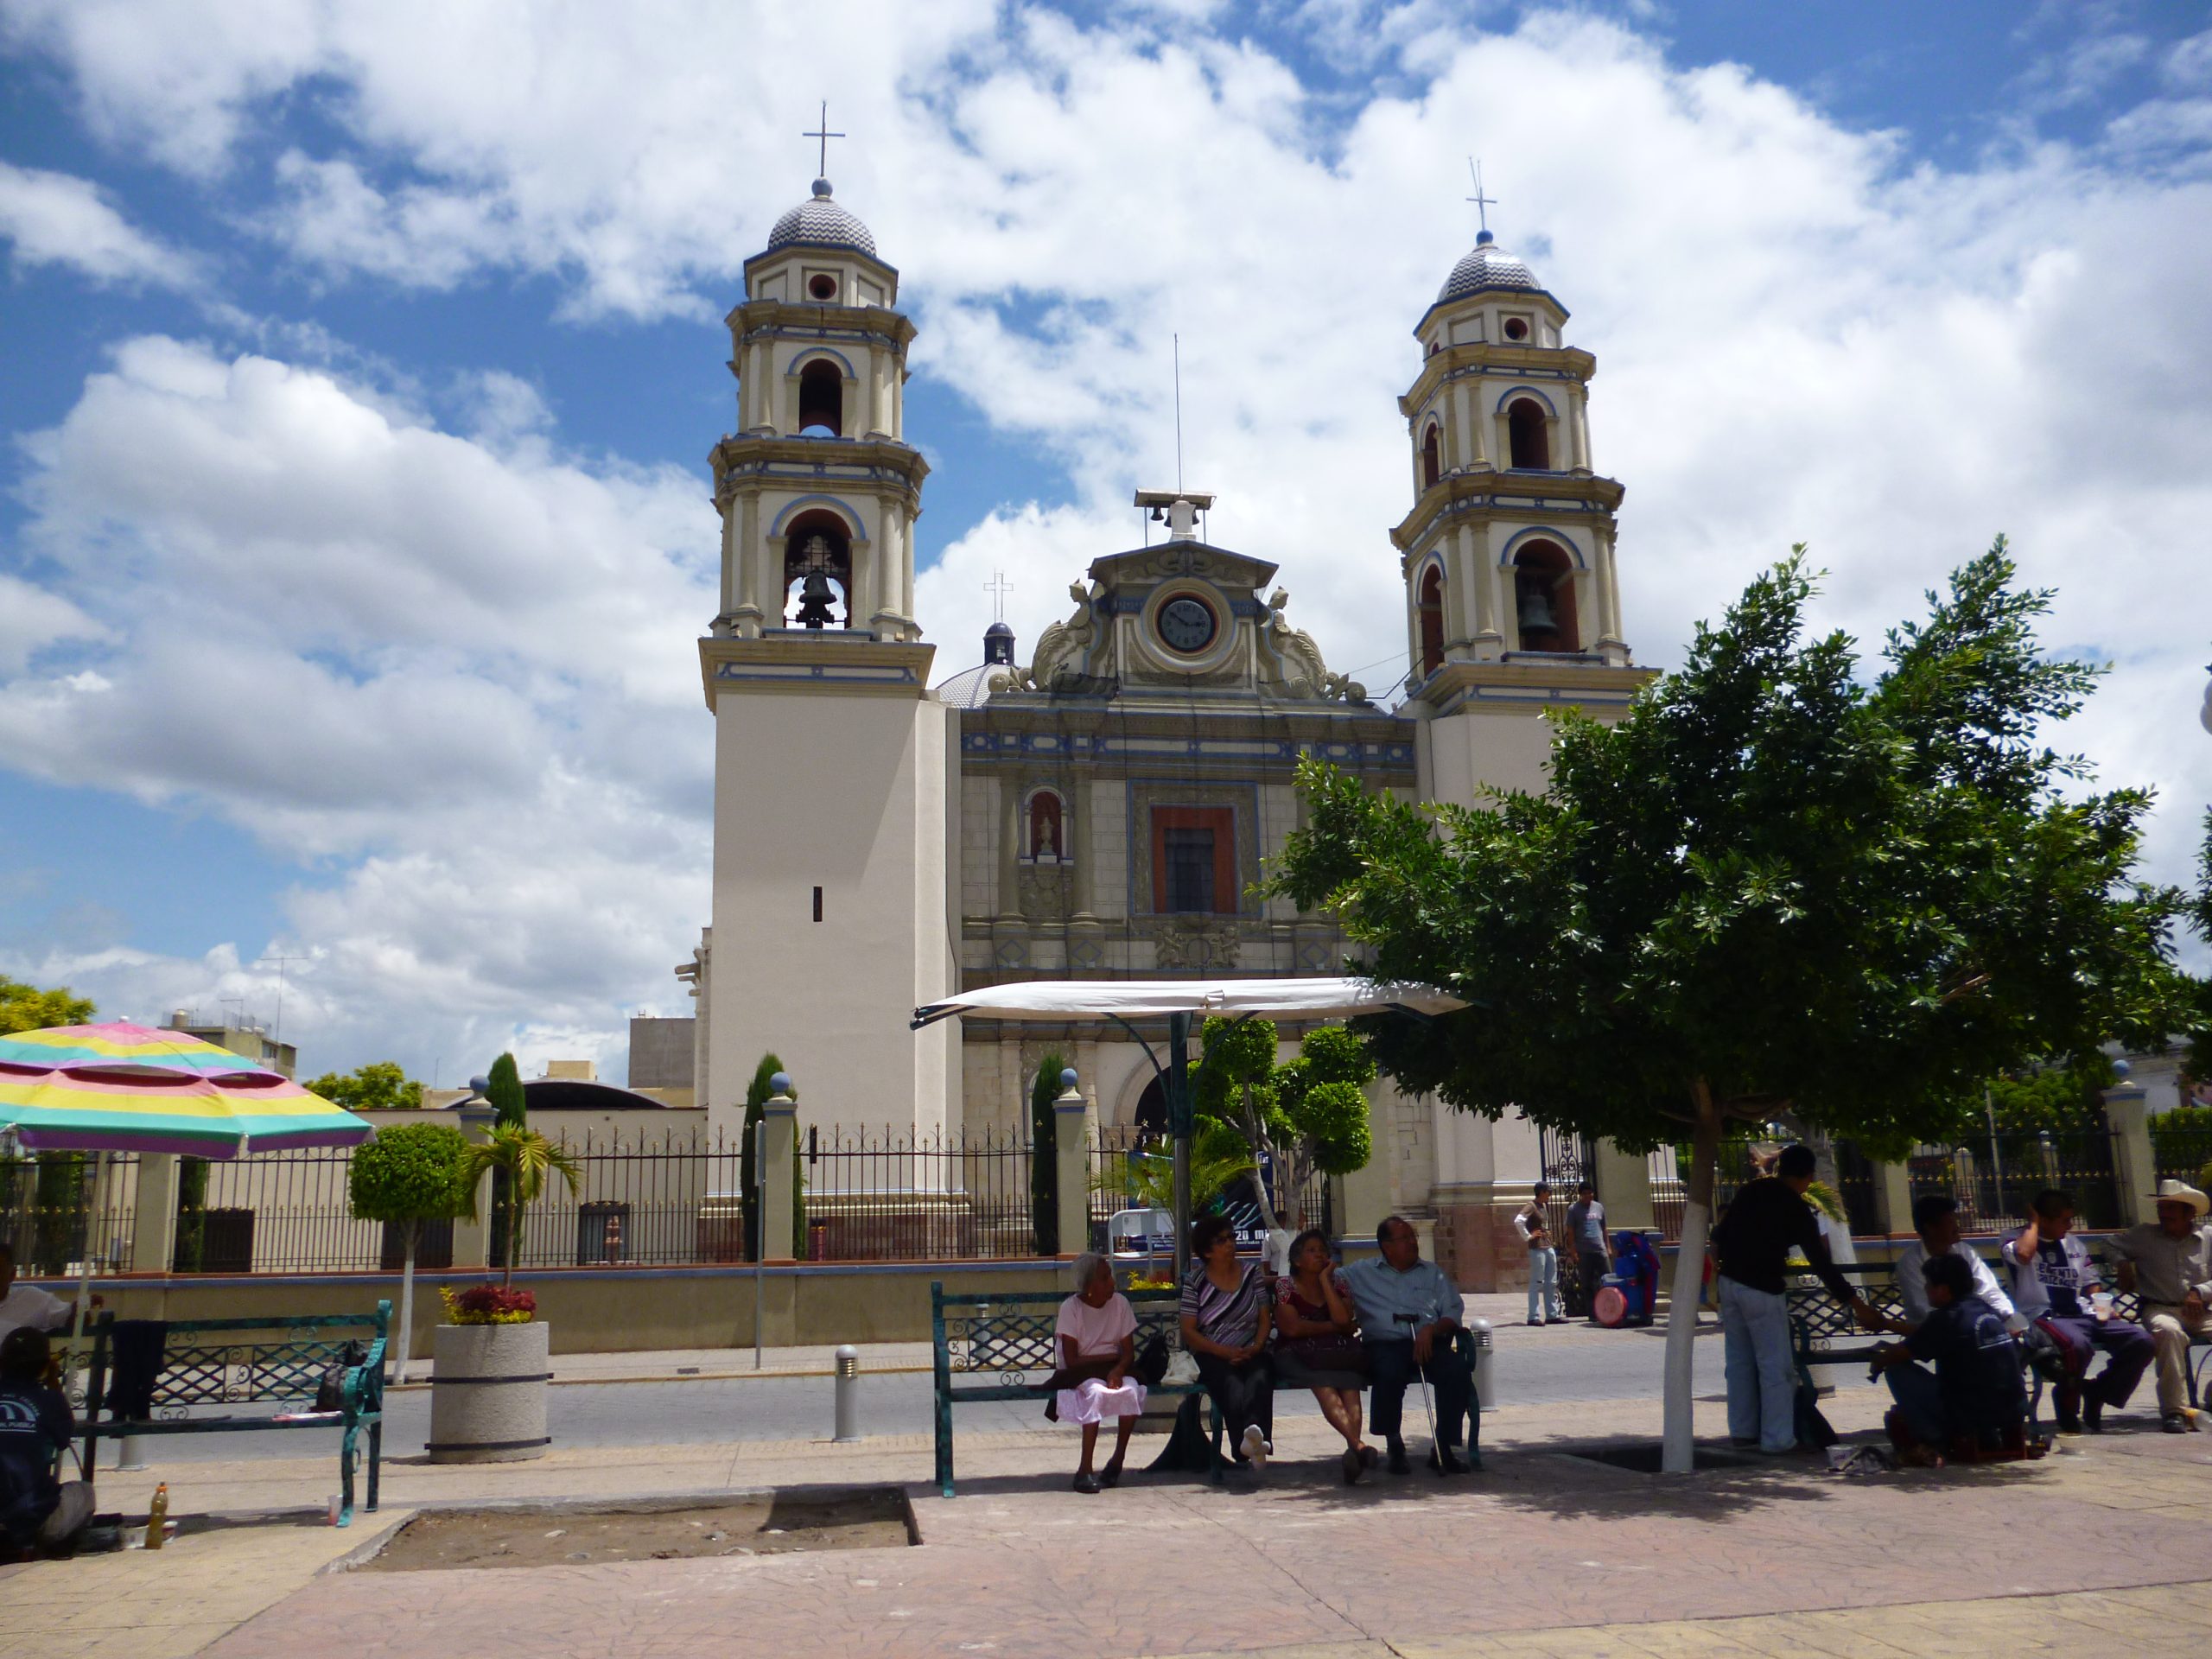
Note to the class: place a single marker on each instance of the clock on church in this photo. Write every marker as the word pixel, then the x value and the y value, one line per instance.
pixel 1187 623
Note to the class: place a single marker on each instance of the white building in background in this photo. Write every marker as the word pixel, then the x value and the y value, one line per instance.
pixel 1104 809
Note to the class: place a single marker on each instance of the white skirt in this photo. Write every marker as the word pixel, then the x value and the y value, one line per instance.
pixel 1092 1401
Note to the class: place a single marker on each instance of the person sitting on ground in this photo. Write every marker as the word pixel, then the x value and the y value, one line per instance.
pixel 1975 1405
pixel 1766 1219
pixel 2055 1285
pixel 1585 1231
pixel 38 1510
pixel 1935 1227
pixel 1227 1314
pixel 1533 1221
pixel 27 1305
pixel 2168 1263
pixel 1318 1345
pixel 1096 1330
pixel 1408 1313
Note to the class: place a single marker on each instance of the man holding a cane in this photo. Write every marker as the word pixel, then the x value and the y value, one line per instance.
pixel 1408 1313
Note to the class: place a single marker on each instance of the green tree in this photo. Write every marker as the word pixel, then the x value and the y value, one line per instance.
pixel 1308 1113
pixel 26 1007
pixel 520 1160
pixel 406 1176
pixel 1773 886
pixel 1043 1156
pixel 380 1086
pixel 757 1093
pixel 503 1088
pixel 191 1255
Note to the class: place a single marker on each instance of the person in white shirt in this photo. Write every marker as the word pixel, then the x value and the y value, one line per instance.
pixel 1533 1221
pixel 27 1304
pixel 2055 1285
pixel 1096 1333
pixel 1936 1219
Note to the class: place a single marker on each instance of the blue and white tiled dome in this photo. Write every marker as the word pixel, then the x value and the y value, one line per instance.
pixel 1488 269
pixel 821 223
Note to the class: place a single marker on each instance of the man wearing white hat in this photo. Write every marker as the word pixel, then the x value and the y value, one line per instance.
pixel 2168 1262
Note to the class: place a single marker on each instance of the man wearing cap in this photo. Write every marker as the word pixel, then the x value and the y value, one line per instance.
pixel 2168 1263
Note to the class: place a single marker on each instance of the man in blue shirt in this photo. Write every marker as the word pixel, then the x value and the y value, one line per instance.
pixel 1408 1313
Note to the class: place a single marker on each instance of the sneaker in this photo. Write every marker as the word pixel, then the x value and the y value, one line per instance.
pixel 1255 1446
pixel 1535 1321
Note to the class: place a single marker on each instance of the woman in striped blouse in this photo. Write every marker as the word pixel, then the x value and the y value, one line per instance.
pixel 1227 1310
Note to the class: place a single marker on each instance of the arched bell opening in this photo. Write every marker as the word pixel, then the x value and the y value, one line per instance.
pixel 1432 458
pixel 817 572
pixel 1527 433
pixel 1544 598
pixel 821 400
pixel 1431 605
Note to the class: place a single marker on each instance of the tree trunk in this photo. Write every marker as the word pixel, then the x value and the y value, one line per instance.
pixel 413 1232
pixel 514 1233
pixel 1264 1152
pixel 1679 1455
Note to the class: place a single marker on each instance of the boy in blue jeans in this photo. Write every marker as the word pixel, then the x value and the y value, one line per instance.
pixel 1974 1404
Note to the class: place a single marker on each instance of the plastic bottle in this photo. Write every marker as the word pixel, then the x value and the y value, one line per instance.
pixel 157 1518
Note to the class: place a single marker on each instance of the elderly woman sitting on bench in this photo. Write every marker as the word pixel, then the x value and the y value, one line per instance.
pixel 1096 1329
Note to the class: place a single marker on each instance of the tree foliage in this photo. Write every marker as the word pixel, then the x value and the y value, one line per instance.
pixel 1043 1156
pixel 756 1095
pixel 410 1174
pixel 379 1086
pixel 521 1159
pixel 26 1007
pixel 503 1088
pixel 1309 1113
pixel 1771 886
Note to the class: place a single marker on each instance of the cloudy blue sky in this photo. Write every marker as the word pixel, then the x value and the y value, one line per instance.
pixel 358 367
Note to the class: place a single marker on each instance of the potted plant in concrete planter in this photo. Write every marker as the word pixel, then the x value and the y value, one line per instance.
pixel 406 1177
pixel 493 1358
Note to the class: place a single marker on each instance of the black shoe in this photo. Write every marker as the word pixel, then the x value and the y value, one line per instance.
pixel 1447 1461
pixel 1398 1464
pixel 1086 1483
pixel 2093 1414
pixel 2173 1422
pixel 1535 1321
pixel 2070 1417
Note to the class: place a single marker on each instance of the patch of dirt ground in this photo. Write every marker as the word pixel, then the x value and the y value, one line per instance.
pixel 763 1525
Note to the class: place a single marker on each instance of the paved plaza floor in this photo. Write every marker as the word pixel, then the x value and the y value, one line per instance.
pixel 2104 1547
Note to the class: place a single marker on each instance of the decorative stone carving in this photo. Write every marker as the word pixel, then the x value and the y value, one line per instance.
pixel 1061 647
pixel 1197 942
pixel 1042 890
pixel 1305 675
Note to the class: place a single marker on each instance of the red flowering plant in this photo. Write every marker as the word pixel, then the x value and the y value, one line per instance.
pixel 488 1304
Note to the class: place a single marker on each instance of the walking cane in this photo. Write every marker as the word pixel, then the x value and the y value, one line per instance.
pixel 1411 1321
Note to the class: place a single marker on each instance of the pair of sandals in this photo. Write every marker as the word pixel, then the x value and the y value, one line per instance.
pixel 1357 1460
pixel 1088 1484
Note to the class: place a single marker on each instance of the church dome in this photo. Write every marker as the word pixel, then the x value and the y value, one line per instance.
pixel 969 689
pixel 821 223
pixel 1488 269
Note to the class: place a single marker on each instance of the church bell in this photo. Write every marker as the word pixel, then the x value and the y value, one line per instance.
pixel 1535 607
pixel 815 598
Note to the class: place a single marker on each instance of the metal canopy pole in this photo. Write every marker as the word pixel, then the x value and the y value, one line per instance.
pixel 1179 1125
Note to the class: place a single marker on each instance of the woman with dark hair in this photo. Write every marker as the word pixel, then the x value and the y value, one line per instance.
pixel 1318 1345
pixel 1226 1315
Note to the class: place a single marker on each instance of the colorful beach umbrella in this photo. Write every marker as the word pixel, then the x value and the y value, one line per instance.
pixel 126 1088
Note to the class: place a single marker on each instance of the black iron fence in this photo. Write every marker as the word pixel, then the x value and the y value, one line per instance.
pixel 1993 1176
pixel 892 1195
pixel 2181 1144
pixel 61 1210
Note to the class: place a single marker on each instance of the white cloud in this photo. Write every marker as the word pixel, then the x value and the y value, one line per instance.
pixel 52 218
pixel 1799 336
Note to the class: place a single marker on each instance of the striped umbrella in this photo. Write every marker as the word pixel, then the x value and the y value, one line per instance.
pixel 126 1088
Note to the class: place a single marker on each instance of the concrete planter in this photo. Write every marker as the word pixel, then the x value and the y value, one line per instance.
pixel 488 1392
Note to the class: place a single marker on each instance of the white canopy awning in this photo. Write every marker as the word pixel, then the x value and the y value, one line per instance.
pixel 1139 999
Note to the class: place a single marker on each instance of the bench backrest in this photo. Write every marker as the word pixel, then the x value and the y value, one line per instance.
pixel 244 1361
pixel 1014 1332
pixel 1817 1319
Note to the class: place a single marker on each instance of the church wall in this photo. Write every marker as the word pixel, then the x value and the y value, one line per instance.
pixel 846 793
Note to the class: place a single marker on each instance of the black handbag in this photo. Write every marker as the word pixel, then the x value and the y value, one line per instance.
pixel 1151 1368
pixel 330 1392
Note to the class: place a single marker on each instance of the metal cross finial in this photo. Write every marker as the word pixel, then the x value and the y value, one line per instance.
pixel 1482 202
pixel 822 168
pixel 998 588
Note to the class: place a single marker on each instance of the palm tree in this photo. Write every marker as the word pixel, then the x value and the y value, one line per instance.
pixel 525 1158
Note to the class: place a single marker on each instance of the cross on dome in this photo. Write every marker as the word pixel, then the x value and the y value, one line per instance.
pixel 1482 203
pixel 998 588
pixel 821 163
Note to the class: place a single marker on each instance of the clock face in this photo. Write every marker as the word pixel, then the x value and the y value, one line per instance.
pixel 1187 623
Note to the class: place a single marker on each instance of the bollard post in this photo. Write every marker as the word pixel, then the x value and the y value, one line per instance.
pixel 130 1452
pixel 849 1393
pixel 1485 1363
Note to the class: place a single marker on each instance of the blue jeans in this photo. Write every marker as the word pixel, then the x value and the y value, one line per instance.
pixel 1762 1378
pixel 1543 1285
pixel 1920 1402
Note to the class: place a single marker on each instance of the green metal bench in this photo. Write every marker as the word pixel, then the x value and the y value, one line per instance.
pixel 1009 1339
pixel 263 1361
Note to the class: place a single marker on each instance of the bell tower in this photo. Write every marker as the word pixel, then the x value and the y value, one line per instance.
pixel 829 754
pixel 1511 604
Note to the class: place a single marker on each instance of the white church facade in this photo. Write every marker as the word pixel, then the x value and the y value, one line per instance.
pixel 887 834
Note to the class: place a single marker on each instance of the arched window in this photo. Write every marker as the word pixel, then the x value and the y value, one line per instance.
pixel 1046 840
pixel 1544 598
pixel 821 400
pixel 1529 435
pixel 1432 461
pixel 817 571
pixel 1432 622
